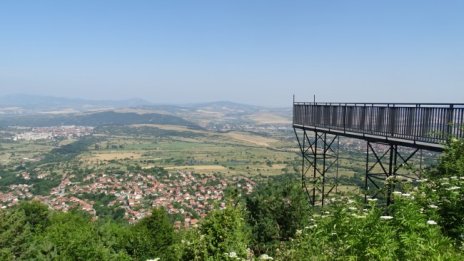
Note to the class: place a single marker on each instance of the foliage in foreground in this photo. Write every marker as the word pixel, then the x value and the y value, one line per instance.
pixel 346 231
pixel 424 223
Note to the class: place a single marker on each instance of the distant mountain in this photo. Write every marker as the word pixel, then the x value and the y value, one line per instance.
pixel 227 106
pixel 94 119
pixel 17 109
pixel 49 103
pixel 37 102
pixel 237 109
pixel 216 115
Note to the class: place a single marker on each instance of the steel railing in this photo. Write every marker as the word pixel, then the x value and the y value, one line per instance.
pixel 425 122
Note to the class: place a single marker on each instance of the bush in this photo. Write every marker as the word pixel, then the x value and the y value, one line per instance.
pixel 347 232
pixel 222 235
pixel 276 210
pixel 153 237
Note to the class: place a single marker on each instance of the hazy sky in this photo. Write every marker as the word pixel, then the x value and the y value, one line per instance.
pixel 257 52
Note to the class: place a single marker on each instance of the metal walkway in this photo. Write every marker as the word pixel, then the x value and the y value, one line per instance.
pixel 417 127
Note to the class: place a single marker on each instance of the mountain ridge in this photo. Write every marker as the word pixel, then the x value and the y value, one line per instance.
pixel 29 101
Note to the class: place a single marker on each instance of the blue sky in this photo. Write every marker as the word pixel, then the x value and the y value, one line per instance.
pixel 256 52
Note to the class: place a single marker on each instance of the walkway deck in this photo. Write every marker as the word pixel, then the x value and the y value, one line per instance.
pixel 424 126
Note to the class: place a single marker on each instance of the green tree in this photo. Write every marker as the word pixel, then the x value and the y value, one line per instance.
pixel 445 190
pixel 36 215
pixel 276 210
pixel 223 234
pixel 70 236
pixel 153 237
pixel 115 236
pixel 15 233
pixel 451 162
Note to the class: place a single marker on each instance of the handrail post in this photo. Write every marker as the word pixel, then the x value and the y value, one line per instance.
pixel 344 118
pixel 392 120
pixel 450 121
pixel 415 122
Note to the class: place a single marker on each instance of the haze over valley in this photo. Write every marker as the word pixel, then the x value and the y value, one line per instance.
pixel 231 130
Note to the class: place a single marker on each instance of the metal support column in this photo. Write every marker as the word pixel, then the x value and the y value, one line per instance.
pixel 383 172
pixel 320 161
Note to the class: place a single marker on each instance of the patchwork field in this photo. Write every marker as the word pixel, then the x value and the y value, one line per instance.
pixel 175 147
pixel 23 151
pixel 167 127
pixel 112 155
pixel 251 139
pixel 198 168
pixel 269 118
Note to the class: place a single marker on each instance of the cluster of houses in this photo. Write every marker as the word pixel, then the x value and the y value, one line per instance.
pixel 49 133
pixel 187 195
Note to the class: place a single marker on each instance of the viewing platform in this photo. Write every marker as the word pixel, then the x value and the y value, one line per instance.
pixel 394 134
pixel 417 125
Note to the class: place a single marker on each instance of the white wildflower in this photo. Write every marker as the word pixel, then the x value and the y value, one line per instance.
pixel 265 257
pixel 232 254
pixel 313 226
pixel 352 208
pixel 431 222
pixel 453 188
pixel 372 199
pixel 396 192
pixel 298 232
pixel 350 201
pixel 454 177
pixel 406 195
pixel 433 206
pixel 386 217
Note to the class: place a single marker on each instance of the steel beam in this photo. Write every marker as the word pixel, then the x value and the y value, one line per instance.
pixel 319 164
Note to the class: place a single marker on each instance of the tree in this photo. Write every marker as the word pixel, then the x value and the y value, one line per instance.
pixel 276 210
pixel 153 237
pixel 224 231
pixel 15 232
pixel 70 236
pixel 451 162
pixel 36 215
pixel 445 190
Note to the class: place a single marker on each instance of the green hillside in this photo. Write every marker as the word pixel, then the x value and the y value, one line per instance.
pixel 94 119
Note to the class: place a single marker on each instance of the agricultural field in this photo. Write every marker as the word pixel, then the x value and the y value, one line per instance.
pixel 231 154
pixel 122 171
pixel 23 151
